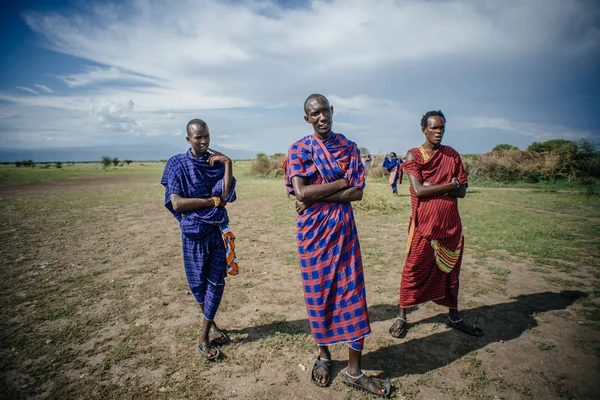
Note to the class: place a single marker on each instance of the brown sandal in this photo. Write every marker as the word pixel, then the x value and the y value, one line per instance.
pixel 399 328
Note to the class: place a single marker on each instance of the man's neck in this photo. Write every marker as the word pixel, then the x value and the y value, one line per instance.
pixel 197 155
pixel 431 147
pixel 323 136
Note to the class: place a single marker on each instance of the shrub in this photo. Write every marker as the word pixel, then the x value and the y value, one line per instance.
pixel 58 165
pixel 115 162
pixel 265 165
pixel 127 162
pixel 504 147
pixel 512 166
pixel 260 164
pixel 106 161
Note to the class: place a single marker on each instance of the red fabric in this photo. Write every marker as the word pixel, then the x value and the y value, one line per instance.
pixel 435 218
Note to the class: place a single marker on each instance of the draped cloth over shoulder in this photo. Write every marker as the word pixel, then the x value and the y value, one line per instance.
pixel 435 241
pixel 207 241
pixel 328 246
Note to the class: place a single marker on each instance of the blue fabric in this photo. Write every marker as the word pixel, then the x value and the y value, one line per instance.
pixel 392 163
pixel 193 177
pixel 204 253
pixel 205 267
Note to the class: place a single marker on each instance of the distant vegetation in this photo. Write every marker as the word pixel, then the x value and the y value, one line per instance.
pixel 541 162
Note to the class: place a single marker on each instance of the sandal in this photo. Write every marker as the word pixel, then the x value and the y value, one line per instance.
pixel 365 383
pixel 325 365
pixel 219 338
pixel 205 348
pixel 399 328
pixel 460 325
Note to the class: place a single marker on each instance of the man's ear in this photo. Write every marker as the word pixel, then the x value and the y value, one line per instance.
pixel 187 138
pixel 306 119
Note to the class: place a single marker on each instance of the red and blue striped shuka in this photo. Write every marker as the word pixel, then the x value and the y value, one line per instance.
pixel 328 247
pixel 435 241
pixel 204 252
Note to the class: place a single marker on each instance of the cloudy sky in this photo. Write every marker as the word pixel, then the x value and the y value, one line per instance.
pixel 80 79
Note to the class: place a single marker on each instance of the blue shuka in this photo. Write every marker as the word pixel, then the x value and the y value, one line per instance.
pixel 204 253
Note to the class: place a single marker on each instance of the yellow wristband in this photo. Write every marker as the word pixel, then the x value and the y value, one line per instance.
pixel 217 201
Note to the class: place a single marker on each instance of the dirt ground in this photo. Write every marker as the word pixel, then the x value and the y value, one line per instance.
pixel 95 305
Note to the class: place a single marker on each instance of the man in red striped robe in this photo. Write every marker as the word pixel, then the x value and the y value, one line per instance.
pixel 435 241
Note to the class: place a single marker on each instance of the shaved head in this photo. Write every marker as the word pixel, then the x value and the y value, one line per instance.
pixel 314 96
pixel 197 123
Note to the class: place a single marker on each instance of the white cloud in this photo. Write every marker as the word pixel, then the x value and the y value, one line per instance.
pixel 43 88
pixel 247 66
pixel 94 75
pixel 26 89
pixel 114 115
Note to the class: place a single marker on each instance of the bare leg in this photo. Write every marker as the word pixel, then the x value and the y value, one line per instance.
pixel 453 314
pixel 203 338
pixel 354 371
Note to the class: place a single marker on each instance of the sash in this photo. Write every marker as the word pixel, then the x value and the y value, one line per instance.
pixel 229 242
pixel 324 161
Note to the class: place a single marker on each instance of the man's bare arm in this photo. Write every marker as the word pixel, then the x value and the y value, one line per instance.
pixel 228 177
pixel 345 196
pixel 310 193
pixel 183 204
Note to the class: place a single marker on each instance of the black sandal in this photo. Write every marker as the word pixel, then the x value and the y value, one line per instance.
pixel 220 338
pixel 204 349
pixel 472 330
pixel 401 330
pixel 325 365
pixel 365 383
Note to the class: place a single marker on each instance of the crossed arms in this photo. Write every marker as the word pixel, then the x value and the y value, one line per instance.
pixel 426 189
pixel 337 192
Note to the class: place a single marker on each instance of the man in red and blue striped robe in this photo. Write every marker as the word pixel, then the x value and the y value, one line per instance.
pixel 325 173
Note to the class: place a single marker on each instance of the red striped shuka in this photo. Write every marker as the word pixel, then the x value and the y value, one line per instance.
pixel 435 241
pixel 328 247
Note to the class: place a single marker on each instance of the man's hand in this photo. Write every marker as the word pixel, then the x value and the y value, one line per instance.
pixel 301 206
pixel 218 157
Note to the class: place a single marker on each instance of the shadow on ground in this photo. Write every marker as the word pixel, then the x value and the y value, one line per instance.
pixel 501 322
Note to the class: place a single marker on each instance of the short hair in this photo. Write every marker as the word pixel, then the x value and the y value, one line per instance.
pixel 195 121
pixel 394 154
pixel 314 96
pixel 435 113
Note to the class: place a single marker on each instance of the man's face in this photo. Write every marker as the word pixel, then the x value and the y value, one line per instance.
pixel 199 138
pixel 319 114
pixel 434 131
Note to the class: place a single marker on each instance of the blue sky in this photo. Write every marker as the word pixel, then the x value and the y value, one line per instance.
pixel 82 79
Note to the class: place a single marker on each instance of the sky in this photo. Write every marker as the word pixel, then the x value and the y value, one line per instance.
pixel 82 79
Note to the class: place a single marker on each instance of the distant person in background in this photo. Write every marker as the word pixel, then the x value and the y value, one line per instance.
pixel 435 240
pixel 392 163
pixel 198 186
pixel 367 163
pixel 325 173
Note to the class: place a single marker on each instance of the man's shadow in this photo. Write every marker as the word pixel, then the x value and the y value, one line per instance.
pixel 500 322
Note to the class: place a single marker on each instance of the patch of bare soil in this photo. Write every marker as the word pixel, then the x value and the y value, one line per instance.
pixel 70 185
pixel 100 308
